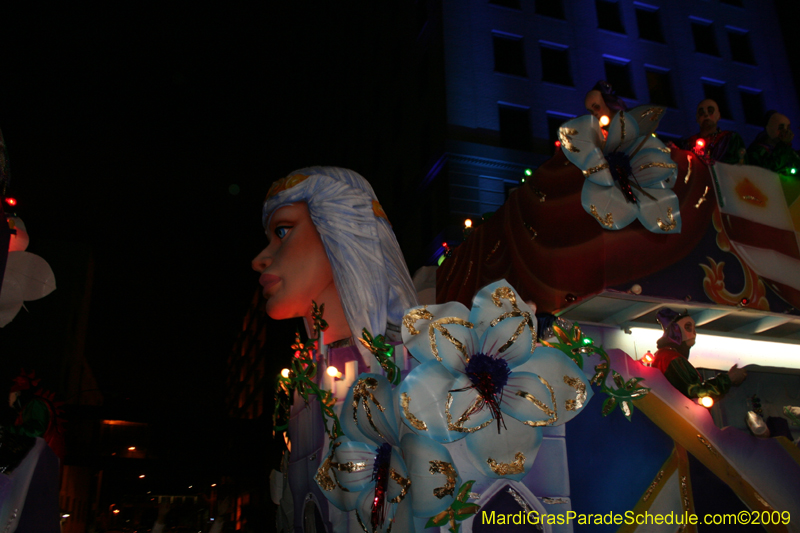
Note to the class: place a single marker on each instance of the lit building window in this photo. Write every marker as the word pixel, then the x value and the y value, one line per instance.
pixel 705 41
pixel 555 63
pixel 509 56
pixel 648 21
pixel 609 17
pixel 618 74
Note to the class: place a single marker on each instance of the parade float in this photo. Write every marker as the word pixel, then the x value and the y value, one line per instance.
pixel 479 412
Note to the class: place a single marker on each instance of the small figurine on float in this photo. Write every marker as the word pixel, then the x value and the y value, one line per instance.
pixel 672 358
pixel 772 148
pixel 711 143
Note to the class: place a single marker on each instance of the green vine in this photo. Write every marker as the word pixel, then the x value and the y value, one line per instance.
pixel 575 344
pixel 384 353
pixel 302 371
pixel 458 511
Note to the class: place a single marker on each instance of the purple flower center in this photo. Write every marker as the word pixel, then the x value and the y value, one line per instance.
pixel 380 475
pixel 619 164
pixel 488 375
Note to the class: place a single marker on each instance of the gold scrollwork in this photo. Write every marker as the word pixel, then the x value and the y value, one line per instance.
pixel 404 483
pixel 670 224
pixel 323 477
pixel 580 393
pixel 439 325
pixel 447 470
pixel 351 466
pixel 552 414
pixel 657 164
pixel 566 141
pixel 702 198
pixel 413 420
pixel 688 169
pixel 459 425
pixel 608 221
pixel 506 293
pixel 410 319
pixel 362 391
pixel 508 469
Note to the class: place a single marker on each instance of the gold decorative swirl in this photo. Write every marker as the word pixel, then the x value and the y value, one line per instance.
pixel 688 169
pixel 591 170
pixel 413 420
pixel 664 149
pixel 657 164
pixel 438 325
pixel 410 319
pixel 508 469
pixel 608 221
pixel 351 466
pixel 520 501
pixel 506 293
pixel 654 113
pixel 404 483
pixel 323 477
pixel 580 393
pixel 652 486
pixel 566 140
pixel 552 414
pixel 447 470
pixel 459 425
pixel 362 392
pixel 702 198
pixel 670 224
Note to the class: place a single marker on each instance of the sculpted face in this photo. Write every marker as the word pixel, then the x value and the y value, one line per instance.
pixel 688 334
pixel 596 106
pixel 708 114
pixel 778 126
pixel 294 266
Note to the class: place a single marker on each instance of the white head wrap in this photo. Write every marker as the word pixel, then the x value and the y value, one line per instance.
pixel 369 270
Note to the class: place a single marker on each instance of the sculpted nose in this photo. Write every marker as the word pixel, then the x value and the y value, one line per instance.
pixel 261 261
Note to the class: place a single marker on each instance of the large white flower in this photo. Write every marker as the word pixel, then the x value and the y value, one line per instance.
pixel 481 379
pixel 629 174
pixel 372 471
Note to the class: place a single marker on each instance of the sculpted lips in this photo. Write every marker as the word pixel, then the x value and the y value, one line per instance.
pixel 268 280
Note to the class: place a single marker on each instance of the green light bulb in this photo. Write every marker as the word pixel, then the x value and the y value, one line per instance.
pixel 528 172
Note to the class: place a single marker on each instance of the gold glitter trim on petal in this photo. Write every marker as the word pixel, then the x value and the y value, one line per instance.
pixel 688 169
pixel 459 425
pixel 670 224
pixel 608 221
pixel 404 483
pixel 552 414
pixel 656 164
pixel 506 293
pixel 447 470
pixel 654 113
pixel 702 198
pixel 580 393
pixel 410 319
pixel 438 325
pixel 362 392
pixel 652 486
pixel 591 170
pixel 707 444
pixel 520 501
pixel 351 466
pixel 360 523
pixel 508 469
pixel 413 420
pixel 322 476
pixel 566 140
pixel 664 149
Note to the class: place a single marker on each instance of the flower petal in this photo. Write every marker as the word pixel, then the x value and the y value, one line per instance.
pixel 508 455
pixel 399 483
pixel 622 133
pixel 568 381
pixel 327 479
pixel 364 510
pixel 511 338
pixel 355 462
pixel 374 419
pixel 608 206
pixel 439 332
pixel 652 165
pixel 530 398
pixel 662 215
pixel 433 474
pixel 582 142
pixel 647 117
pixel 423 403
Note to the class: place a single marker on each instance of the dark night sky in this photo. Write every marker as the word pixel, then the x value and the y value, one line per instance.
pixel 126 127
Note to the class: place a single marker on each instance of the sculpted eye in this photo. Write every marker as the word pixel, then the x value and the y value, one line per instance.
pixel 282 231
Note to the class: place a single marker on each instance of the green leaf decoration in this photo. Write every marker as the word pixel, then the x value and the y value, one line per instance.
pixel 384 353
pixel 608 405
pixel 458 511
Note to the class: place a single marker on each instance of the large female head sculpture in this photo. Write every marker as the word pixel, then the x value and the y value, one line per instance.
pixel 364 259
pixel 601 100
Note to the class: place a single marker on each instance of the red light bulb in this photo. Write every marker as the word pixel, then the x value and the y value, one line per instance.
pixel 11 201
pixel 558 144
pixel 700 143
